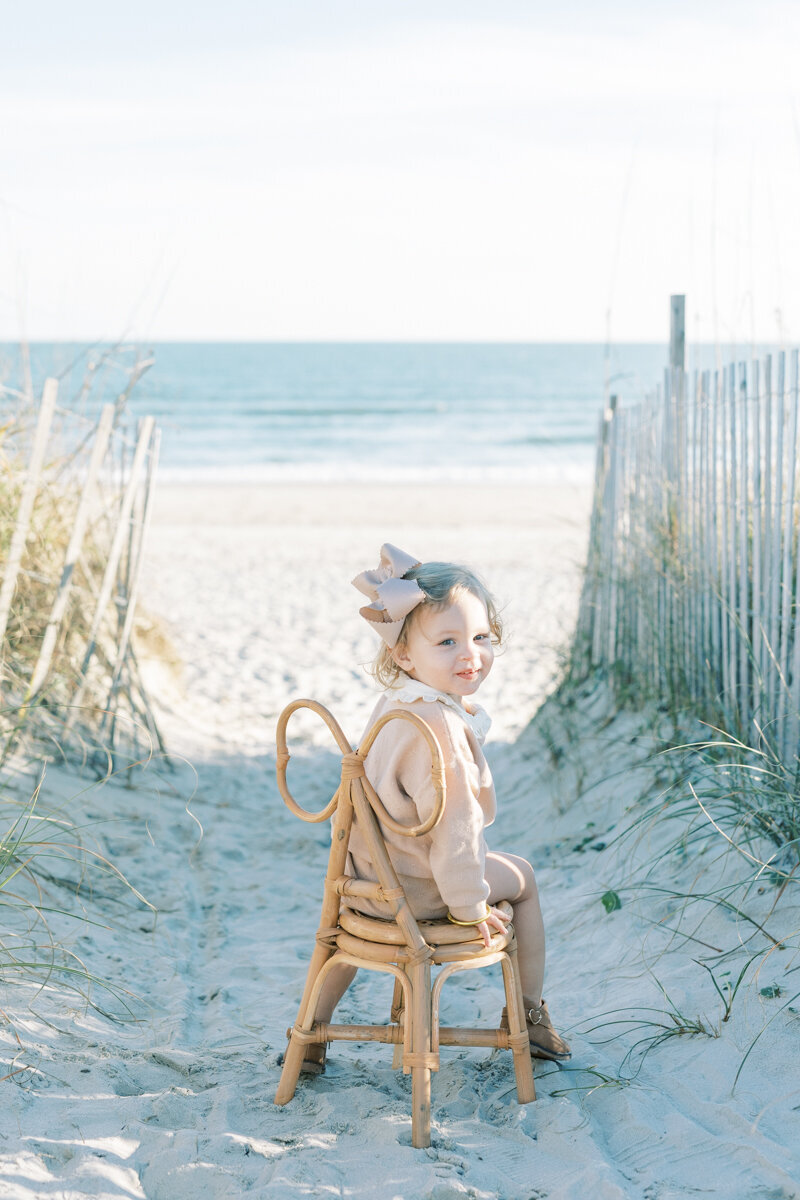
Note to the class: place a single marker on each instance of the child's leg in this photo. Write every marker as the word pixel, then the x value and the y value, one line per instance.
pixel 334 987
pixel 512 878
pixel 336 984
pixel 509 878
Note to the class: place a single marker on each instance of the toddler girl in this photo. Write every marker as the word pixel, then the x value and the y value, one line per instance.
pixel 439 626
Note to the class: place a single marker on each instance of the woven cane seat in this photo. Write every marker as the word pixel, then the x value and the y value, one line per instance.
pixel 435 933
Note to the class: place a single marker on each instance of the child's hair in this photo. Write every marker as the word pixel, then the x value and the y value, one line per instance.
pixel 441 582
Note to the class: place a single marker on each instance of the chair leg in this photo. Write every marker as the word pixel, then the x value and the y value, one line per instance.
pixel 292 1062
pixel 523 1067
pixel 398 1008
pixel 420 975
pixel 295 1051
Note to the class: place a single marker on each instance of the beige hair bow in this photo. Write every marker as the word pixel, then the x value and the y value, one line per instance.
pixel 393 597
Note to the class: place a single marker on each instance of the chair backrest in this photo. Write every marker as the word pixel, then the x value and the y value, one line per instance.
pixel 356 794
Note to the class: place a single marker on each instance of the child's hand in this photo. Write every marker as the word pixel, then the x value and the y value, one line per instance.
pixel 496 921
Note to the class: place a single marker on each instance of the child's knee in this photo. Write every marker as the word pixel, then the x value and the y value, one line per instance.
pixel 529 877
pixel 512 875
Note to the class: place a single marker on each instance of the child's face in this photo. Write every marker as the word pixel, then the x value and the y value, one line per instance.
pixel 450 649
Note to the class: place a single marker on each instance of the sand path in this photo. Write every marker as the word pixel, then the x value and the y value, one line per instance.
pixel 252 590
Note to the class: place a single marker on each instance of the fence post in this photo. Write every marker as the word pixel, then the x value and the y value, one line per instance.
pixel 677 332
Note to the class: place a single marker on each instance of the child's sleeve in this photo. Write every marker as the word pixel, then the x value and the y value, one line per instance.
pixel 456 845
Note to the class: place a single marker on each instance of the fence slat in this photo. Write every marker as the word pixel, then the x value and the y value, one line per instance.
pixel 73 551
pixel 19 537
pixel 787 539
pixel 112 564
pixel 135 574
pixel 692 587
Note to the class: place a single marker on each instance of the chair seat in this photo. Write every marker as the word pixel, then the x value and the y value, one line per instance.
pixel 388 934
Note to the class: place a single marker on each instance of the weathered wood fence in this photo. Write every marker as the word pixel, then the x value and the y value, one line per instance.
pixel 77 517
pixel 692 589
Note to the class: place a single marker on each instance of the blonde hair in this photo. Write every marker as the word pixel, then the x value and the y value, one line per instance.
pixel 441 582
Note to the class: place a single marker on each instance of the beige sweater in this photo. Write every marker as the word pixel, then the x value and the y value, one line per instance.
pixel 444 869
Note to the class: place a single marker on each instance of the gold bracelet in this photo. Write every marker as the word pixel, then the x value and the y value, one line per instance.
pixel 477 920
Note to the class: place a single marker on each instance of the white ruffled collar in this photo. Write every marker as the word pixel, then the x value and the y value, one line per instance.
pixel 407 690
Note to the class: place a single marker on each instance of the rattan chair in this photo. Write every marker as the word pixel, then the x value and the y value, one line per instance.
pixel 403 947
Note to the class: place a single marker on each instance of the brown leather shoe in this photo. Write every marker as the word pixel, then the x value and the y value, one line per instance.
pixel 545 1042
pixel 313 1062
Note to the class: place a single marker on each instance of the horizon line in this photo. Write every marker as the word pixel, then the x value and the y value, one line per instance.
pixel 355 341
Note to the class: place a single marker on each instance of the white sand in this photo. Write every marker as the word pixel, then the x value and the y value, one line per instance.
pixel 254 584
pixel 252 588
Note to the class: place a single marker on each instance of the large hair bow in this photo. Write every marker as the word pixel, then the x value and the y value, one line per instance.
pixel 392 596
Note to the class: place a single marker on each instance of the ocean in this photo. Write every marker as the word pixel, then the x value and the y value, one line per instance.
pixel 250 412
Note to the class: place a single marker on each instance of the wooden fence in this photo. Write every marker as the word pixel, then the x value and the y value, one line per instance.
pixel 70 578
pixel 692 590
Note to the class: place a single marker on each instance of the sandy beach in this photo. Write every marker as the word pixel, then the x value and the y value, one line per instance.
pixel 248 605
pixel 253 585
pixel 508 285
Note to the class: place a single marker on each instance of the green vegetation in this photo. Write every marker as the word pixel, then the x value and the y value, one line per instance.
pixel 88 708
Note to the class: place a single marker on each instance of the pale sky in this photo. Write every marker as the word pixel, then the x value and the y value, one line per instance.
pixel 406 170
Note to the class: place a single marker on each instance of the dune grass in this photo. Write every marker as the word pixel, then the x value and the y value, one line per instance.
pixel 705 859
pixel 55 879
pixel 52 879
